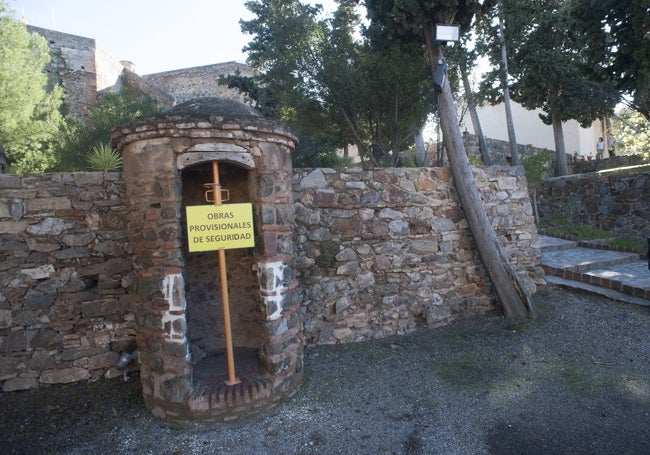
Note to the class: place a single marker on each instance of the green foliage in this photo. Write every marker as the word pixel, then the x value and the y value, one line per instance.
pixel 566 228
pixel 548 63
pixel 618 50
pixel 104 158
pixel 29 113
pixel 535 167
pixel 321 78
pixel 75 140
pixel 562 226
pixel 632 132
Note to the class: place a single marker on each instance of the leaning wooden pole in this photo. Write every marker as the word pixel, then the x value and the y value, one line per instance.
pixel 225 303
pixel 510 293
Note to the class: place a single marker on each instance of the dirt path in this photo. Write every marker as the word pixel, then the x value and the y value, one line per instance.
pixel 576 380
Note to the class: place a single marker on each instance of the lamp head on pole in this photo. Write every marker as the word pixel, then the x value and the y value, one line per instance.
pixel 445 33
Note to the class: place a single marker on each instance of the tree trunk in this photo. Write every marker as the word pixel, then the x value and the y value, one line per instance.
pixel 512 138
pixel 473 115
pixel 535 210
pixel 560 154
pixel 420 149
pixel 510 293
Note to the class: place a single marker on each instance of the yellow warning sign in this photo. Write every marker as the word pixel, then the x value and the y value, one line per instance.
pixel 220 227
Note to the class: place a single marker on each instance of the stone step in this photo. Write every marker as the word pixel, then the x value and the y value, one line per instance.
pixel 581 259
pixel 631 276
pixel 547 243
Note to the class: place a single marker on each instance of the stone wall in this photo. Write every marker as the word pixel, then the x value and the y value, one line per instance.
pixel 380 252
pixel 388 250
pixel 499 150
pixel 583 166
pixel 73 67
pixel 613 202
pixel 64 307
pixel 198 82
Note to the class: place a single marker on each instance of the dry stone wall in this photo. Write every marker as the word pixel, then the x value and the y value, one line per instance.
pixel 380 252
pixel 613 202
pixel 64 307
pixel 385 251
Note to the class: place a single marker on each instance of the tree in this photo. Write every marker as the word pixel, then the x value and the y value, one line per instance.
pixel 76 141
pixel 535 167
pixel 619 46
pixel 29 113
pixel 414 21
pixel 320 77
pixel 550 68
pixel 471 107
pixel 632 132
pixel 512 137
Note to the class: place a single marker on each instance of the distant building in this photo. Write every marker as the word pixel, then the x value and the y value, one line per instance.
pixel 530 130
pixel 84 70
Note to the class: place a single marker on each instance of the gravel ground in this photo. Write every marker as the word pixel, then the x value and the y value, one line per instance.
pixel 575 380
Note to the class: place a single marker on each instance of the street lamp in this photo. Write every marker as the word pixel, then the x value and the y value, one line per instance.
pixel 444 34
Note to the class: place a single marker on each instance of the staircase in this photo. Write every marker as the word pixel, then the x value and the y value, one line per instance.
pixel 617 275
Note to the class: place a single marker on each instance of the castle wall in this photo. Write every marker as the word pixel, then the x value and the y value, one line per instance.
pixel 73 67
pixel 109 71
pixel 198 82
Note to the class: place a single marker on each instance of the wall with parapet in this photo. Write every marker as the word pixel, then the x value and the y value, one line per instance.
pixel 380 252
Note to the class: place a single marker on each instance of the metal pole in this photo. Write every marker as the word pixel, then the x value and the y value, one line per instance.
pixel 232 378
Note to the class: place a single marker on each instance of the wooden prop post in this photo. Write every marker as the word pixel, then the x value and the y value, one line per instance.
pixel 217 199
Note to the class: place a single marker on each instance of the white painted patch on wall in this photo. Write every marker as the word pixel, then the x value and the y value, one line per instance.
pixel 173 289
pixel 273 272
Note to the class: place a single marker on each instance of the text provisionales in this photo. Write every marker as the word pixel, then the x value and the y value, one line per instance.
pixel 220 227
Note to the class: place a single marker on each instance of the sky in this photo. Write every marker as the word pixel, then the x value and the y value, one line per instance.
pixel 156 35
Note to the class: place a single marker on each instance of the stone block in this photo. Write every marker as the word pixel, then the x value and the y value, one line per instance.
pixel 72 253
pixel 15 384
pixel 77 353
pixel 100 307
pixel 78 239
pixel 40 272
pixel 13 227
pixel 64 376
pixel 86 179
pixel 48 204
pixel 16 341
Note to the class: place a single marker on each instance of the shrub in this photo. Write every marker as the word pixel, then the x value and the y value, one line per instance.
pixel 104 158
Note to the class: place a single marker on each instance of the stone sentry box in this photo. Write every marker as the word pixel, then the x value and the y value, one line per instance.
pixel 177 299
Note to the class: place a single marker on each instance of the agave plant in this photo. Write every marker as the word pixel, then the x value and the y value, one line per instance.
pixel 104 158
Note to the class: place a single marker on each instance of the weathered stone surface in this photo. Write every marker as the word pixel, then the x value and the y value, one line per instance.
pixel 315 179
pixel 48 204
pixel 47 254
pixel 49 226
pixel 15 384
pixel 413 250
pixel 39 273
pixel 64 376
